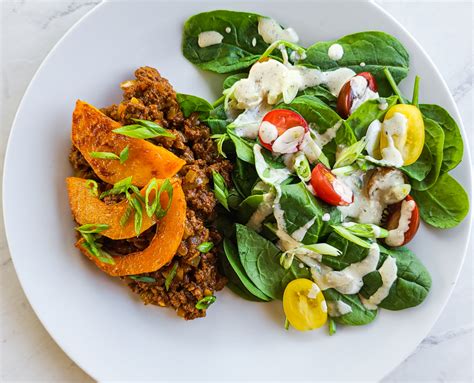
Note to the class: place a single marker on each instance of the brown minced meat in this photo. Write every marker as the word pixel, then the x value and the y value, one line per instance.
pixel 151 97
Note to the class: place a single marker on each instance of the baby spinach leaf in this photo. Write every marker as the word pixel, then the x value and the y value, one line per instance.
pixel 335 218
pixel 190 104
pixel 236 50
pixel 243 147
pixel 232 79
pixel 413 282
pixel 434 140
pixel 372 282
pixel 444 205
pixel 420 169
pixel 244 177
pixel 248 206
pixel 359 315
pixel 376 49
pixel 233 281
pixel 453 144
pixel 351 253
pixel 300 207
pixel 234 261
pixel 369 111
pixel 261 260
pixel 323 94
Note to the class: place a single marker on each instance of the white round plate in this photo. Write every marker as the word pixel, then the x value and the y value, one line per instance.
pixel 102 326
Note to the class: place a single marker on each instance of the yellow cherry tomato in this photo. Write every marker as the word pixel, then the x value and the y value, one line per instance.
pixel 411 145
pixel 304 305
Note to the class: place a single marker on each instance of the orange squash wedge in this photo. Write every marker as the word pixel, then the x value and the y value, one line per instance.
pixel 87 208
pixel 162 248
pixel 92 132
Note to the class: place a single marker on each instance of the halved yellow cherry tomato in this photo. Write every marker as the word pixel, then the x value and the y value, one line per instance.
pixel 415 134
pixel 304 305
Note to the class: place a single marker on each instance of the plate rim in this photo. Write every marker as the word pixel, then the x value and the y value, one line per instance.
pixel 455 110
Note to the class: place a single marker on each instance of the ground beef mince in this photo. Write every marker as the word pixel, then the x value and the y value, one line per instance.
pixel 151 97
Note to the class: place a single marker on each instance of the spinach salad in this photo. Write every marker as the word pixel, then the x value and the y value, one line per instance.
pixel 333 167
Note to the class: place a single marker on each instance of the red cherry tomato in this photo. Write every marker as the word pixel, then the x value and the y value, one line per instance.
pixel 346 97
pixel 328 188
pixel 282 119
pixel 394 213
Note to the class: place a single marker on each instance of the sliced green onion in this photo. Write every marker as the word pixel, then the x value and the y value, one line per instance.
pixel 343 232
pixel 220 189
pixel 123 156
pixel 119 187
pixel 142 279
pixel 344 170
pixel 143 129
pixel 92 247
pixel 205 247
pixel 286 259
pixel 93 187
pixel 171 275
pixel 287 324
pixel 302 168
pixel 151 207
pixel 366 230
pixel 167 188
pixel 92 228
pixel 126 215
pixel 220 139
pixel 205 302
pixel 350 154
pixel 137 206
pixel 300 50
pixel 104 155
pixel 324 249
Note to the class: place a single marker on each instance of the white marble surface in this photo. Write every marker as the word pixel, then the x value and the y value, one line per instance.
pixel 30 28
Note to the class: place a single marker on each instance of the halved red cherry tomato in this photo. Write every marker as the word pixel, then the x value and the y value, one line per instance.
pixel 394 214
pixel 346 97
pixel 328 188
pixel 282 120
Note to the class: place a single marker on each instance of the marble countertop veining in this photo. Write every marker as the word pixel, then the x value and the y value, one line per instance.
pixel 444 29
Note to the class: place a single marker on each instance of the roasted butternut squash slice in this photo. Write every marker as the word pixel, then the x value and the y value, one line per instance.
pixel 163 246
pixel 92 132
pixel 87 208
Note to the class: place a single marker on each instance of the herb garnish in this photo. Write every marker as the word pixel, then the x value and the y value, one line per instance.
pixel 171 276
pixel 205 247
pixel 122 157
pixel 143 129
pixel 142 279
pixel 155 207
pixel 93 187
pixel 90 233
pixel 205 302
pixel 220 189
pixel 220 139
pixel 332 326
pixel 287 324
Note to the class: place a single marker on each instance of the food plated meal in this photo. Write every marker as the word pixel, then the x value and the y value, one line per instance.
pixel 301 183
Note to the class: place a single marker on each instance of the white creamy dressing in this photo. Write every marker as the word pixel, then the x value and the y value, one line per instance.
pixel 362 64
pixel 343 190
pixel 300 233
pixel 266 173
pixel 395 130
pixel 373 138
pixel 324 306
pixel 368 205
pixel 396 236
pixel 348 280
pixel 254 42
pixel 208 38
pixel 289 141
pixel 272 81
pixel 247 123
pixel 338 308
pixel 326 217
pixel 271 31
pixel 335 52
pixel 264 209
pixel 388 272
pixel 267 132
pixel 361 92
pixel 383 104
pixel 324 138
pixel 228 29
